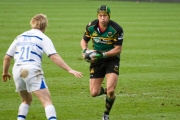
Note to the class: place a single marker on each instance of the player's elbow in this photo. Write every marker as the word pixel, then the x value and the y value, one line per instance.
pixel 7 58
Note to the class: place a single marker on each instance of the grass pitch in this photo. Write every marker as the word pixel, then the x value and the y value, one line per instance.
pixel 148 87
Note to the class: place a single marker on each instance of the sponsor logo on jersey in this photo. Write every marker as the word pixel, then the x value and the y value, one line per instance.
pixel 96 39
pixel 109 34
pixel 120 37
pixel 26 43
pixel 101 40
pixel 94 33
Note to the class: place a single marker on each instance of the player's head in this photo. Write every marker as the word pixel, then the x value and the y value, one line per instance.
pixel 104 9
pixel 39 21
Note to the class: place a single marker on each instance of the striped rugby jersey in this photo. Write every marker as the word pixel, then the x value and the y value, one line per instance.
pixel 29 47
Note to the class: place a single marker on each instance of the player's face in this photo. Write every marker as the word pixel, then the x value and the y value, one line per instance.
pixel 103 18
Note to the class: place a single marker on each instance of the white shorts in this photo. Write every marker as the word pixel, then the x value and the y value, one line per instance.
pixel 28 77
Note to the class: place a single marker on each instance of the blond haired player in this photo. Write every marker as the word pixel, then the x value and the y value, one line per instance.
pixel 27 50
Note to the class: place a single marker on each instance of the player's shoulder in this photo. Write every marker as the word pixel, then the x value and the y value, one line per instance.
pixel 115 25
pixel 35 33
pixel 93 22
pixel 20 35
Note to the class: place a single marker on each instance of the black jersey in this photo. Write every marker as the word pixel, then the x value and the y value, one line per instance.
pixel 104 41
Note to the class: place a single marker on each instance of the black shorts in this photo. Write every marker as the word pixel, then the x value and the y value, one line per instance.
pixel 104 66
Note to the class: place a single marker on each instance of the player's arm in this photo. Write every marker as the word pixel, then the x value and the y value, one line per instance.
pixel 118 41
pixel 85 40
pixel 49 49
pixel 7 61
pixel 61 63
pixel 84 44
pixel 114 52
pixel 6 64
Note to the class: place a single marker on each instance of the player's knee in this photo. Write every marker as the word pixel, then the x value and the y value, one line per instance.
pixel 28 101
pixel 94 93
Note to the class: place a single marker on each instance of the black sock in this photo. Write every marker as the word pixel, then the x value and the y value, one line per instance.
pixel 108 105
pixel 102 91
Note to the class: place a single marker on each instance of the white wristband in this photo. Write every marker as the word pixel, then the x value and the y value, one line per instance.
pixel 104 55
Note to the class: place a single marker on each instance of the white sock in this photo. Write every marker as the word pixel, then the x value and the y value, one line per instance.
pixel 23 111
pixel 50 112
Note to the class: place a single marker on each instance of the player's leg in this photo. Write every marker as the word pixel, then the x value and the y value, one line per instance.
pixel 97 74
pixel 112 73
pixel 40 89
pixel 35 83
pixel 44 97
pixel 21 88
pixel 24 106
pixel 95 87
pixel 112 79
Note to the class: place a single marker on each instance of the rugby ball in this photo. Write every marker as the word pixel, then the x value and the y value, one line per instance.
pixel 89 55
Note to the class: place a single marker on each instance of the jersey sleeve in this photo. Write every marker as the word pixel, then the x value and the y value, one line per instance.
pixel 87 36
pixel 11 50
pixel 119 36
pixel 48 47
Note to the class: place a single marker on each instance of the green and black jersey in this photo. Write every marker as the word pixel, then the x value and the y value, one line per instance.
pixel 104 41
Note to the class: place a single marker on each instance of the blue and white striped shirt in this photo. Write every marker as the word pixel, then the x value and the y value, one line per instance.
pixel 29 47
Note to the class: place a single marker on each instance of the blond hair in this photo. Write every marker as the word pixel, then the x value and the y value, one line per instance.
pixel 39 21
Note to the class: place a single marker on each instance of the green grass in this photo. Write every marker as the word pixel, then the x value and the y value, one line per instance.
pixel 148 87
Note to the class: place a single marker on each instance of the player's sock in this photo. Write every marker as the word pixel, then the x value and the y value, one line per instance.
pixel 109 104
pixel 103 91
pixel 23 111
pixel 50 112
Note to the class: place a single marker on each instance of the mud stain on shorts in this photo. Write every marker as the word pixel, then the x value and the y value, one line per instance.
pixel 24 73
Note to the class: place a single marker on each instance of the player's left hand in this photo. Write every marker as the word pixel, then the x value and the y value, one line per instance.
pixel 76 73
pixel 5 77
pixel 99 55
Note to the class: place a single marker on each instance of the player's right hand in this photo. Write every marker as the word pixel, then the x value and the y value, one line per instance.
pixel 5 77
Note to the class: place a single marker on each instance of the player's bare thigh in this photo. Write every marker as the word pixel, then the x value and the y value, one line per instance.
pixel 44 96
pixel 26 97
pixel 95 86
